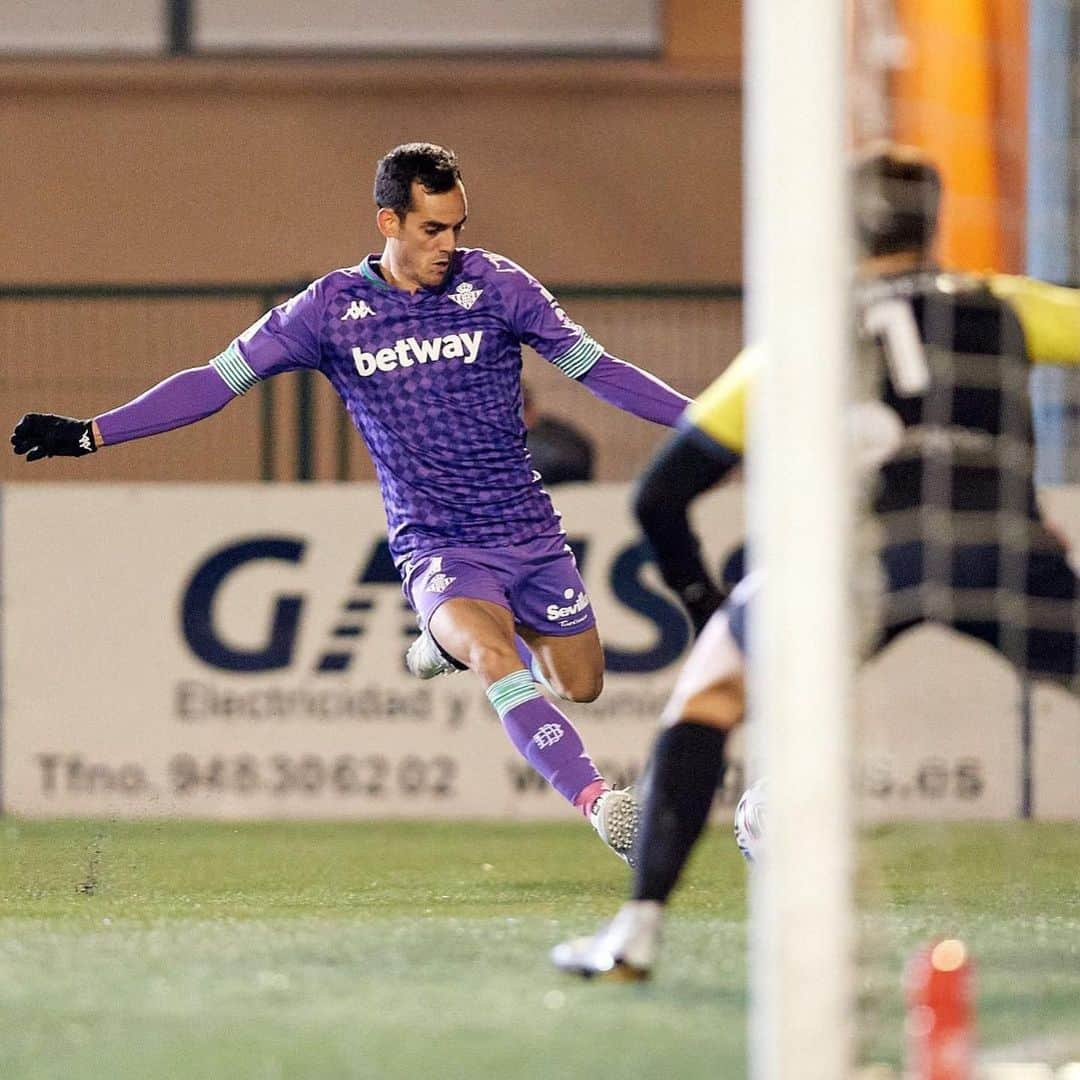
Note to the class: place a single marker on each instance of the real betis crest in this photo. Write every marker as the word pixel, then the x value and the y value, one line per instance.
pixel 466 294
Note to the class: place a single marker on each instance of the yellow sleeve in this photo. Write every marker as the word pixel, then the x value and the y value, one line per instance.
pixel 720 410
pixel 1049 314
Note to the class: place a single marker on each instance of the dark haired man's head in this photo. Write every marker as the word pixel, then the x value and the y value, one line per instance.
pixel 422 210
pixel 433 167
pixel 897 195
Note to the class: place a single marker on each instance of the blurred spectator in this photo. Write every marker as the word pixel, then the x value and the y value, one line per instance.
pixel 560 453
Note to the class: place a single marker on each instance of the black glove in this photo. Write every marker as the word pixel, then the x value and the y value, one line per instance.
pixel 701 600
pixel 39 435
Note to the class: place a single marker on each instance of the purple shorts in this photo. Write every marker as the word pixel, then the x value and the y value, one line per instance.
pixel 538 582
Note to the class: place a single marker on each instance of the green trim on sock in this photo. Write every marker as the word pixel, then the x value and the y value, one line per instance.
pixel 512 690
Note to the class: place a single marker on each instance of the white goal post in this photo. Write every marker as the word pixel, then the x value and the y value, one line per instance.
pixel 798 274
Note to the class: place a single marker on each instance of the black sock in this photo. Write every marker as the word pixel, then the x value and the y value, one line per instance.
pixel 684 771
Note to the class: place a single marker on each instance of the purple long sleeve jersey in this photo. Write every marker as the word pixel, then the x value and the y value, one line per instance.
pixel 431 380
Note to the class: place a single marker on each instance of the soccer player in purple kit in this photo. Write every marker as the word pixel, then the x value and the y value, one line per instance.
pixel 423 344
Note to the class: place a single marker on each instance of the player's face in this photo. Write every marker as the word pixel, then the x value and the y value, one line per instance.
pixel 423 244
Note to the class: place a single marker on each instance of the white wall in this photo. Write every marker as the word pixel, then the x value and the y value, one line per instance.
pixel 59 26
pixel 443 26
pixel 105 704
pixel 430 25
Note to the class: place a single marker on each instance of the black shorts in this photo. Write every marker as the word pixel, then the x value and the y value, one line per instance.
pixel 1023 603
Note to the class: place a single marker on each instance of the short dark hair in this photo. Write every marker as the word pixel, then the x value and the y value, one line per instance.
pixel 435 167
pixel 897 195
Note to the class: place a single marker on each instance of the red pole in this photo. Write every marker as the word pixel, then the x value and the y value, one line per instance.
pixel 940 1013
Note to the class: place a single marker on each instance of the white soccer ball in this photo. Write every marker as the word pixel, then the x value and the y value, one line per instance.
pixel 750 822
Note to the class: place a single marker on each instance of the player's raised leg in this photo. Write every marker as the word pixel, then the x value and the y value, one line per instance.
pixel 559 643
pixel 572 667
pixel 479 634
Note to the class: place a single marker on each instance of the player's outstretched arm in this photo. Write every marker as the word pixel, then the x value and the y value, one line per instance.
pixel 634 391
pixel 286 338
pixel 1049 314
pixel 41 435
pixel 542 323
pixel 710 442
pixel 688 465
pixel 181 399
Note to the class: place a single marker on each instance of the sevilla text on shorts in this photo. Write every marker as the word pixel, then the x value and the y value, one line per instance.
pixel 554 612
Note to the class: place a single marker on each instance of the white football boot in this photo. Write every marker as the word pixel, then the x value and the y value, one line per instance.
pixel 425 659
pixel 623 951
pixel 616 816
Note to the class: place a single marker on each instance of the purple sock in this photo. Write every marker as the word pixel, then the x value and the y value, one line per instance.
pixel 543 735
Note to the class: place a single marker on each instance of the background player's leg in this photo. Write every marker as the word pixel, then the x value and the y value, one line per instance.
pixel 572 664
pixel 687 762
pixel 684 772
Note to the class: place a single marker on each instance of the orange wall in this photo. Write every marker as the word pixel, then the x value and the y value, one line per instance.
pixel 962 97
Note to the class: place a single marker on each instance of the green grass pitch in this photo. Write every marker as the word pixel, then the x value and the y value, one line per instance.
pixel 386 950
